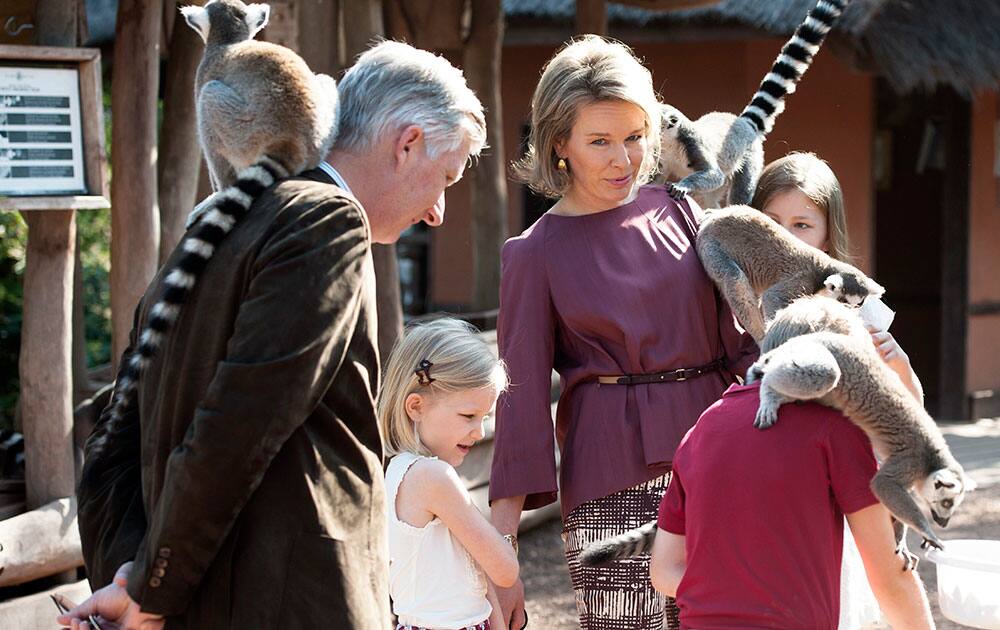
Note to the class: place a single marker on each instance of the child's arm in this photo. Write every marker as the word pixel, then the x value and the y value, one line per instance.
pixel 900 593
pixel 441 492
pixel 898 361
pixel 497 621
pixel 668 562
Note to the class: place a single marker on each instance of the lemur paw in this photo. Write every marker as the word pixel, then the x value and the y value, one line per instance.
pixel 767 415
pixel 910 561
pixel 676 192
pixel 932 542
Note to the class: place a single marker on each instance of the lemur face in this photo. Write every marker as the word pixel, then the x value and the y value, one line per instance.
pixel 669 120
pixel 850 288
pixel 943 491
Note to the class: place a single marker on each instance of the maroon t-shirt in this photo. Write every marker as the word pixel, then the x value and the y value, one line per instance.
pixel 762 513
pixel 615 292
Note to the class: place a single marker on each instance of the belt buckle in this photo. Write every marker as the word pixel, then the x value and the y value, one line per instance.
pixel 681 375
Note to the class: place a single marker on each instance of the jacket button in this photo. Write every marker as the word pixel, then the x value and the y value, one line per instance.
pixel 164 552
pixel 159 572
pixel 154 582
pixel 160 562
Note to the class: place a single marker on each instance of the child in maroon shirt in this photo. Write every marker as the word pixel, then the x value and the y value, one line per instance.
pixel 751 527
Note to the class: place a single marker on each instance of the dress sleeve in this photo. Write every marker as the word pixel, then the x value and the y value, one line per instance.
pixel 851 463
pixel 524 442
pixel 737 344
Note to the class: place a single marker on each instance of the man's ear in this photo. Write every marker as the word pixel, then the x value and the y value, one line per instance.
pixel 197 18
pixel 408 140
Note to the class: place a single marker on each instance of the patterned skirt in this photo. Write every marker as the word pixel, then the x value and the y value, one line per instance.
pixel 619 596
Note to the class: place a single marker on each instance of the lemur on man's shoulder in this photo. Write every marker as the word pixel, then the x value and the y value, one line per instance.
pixel 718 157
pixel 262 116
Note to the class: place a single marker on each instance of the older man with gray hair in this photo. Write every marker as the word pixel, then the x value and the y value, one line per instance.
pixel 246 491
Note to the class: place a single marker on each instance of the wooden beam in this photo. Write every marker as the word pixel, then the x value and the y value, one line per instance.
pixel 592 17
pixel 40 543
pixel 179 158
pixel 135 230
pixel 489 181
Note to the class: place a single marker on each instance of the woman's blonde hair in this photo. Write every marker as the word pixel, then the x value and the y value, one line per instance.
pixel 460 360
pixel 584 71
pixel 815 179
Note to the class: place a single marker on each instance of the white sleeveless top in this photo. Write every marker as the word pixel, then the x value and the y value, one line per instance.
pixel 433 581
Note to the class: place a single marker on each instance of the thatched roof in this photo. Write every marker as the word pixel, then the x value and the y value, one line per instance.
pixel 912 43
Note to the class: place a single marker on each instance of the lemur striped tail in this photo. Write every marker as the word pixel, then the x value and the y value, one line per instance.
pixel 793 61
pixel 632 543
pixel 228 207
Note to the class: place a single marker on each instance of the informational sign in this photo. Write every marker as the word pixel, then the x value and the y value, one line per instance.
pixel 41 144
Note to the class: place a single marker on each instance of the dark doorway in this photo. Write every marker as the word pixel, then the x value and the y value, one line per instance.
pixel 921 234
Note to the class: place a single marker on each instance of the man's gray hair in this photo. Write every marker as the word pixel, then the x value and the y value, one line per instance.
pixel 394 85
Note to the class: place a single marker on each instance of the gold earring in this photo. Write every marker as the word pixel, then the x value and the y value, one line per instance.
pixel 561 164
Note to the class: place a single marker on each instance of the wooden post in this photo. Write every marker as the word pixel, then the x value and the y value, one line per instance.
pixel 135 231
pixel 489 181
pixel 953 392
pixel 592 17
pixel 179 157
pixel 45 364
pixel 361 23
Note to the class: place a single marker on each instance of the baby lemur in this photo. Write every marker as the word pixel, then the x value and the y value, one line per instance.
pixel 718 158
pixel 748 255
pixel 839 367
pixel 818 349
pixel 262 116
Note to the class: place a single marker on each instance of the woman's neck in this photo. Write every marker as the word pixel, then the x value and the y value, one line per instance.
pixel 575 205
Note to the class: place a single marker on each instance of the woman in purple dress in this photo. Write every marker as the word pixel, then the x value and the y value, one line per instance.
pixel 607 289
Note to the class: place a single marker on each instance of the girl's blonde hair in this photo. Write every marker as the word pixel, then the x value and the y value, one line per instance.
pixel 815 179
pixel 584 71
pixel 460 360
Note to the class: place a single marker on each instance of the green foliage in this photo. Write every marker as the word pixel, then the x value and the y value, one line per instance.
pixel 13 239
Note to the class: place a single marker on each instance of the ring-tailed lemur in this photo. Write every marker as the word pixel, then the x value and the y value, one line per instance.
pixel 817 349
pixel 255 98
pixel 718 158
pixel 262 116
pixel 748 255
pixel 851 377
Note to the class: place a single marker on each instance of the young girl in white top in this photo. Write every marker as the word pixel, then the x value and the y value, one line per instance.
pixel 441 382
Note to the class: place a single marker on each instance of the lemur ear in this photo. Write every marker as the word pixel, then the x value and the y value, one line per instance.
pixel 944 478
pixel 257 16
pixel 834 283
pixel 197 18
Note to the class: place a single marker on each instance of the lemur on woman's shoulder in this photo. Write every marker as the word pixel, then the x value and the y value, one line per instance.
pixel 719 157
pixel 758 266
pixel 262 116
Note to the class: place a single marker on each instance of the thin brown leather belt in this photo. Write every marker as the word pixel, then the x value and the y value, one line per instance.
pixel 672 376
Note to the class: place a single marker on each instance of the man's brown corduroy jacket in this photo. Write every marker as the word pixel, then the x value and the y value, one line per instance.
pixel 247 483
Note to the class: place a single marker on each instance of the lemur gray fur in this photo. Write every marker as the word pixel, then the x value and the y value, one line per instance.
pixel 262 116
pixel 718 158
pixel 255 98
pixel 844 371
pixel 748 255
pixel 818 349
